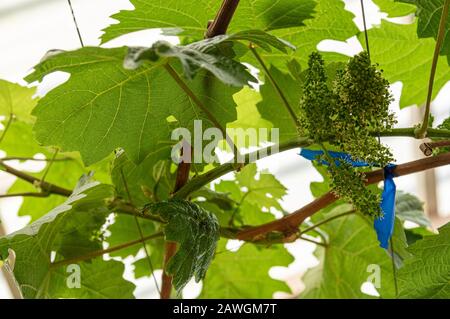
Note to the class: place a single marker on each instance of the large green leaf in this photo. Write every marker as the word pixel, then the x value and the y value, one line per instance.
pixel 406 58
pixel 248 117
pixel 344 263
pixel 69 230
pixel 427 273
pixel 272 108
pixel 196 231
pixel 193 18
pixel 245 273
pixel 16 100
pixel 395 9
pixel 103 106
pixel 429 15
pixel 331 22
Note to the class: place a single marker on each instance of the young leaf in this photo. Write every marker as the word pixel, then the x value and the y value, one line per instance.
pixel 225 69
pixel 196 231
pixel 427 273
pixel 245 273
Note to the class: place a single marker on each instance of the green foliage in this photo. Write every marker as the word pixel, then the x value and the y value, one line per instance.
pixel 19 142
pixel 352 246
pixel 409 207
pixel 119 107
pixel 270 104
pixel 254 197
pixel 175 16
pixel 404 57
pixel 102 101
pixel 245 273
pixel 196 231
pixel 429 15
pixel 331 21
pixel 427 273
pixel 395 9
pixel 16 101
pixel 71 230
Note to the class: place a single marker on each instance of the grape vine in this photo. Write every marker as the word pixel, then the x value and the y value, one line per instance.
pixel 119 110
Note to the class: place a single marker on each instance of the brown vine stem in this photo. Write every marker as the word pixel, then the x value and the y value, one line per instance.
pixel 171 247
pixel 45 186
pixel 101 252
pixel 223 18
pixel 21 158
pixel 290 223
pixel 422 131
pixel 27 194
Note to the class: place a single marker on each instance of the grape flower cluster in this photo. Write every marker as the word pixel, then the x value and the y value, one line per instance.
pixel 348 114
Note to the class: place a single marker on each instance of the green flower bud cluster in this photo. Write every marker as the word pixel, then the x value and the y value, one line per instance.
pixel 317 100
pixel 352 111
pixel 348 183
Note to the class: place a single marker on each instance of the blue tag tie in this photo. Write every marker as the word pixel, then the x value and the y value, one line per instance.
pixel 384 226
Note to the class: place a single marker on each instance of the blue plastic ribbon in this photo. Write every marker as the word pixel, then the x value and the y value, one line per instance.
pixel 384 225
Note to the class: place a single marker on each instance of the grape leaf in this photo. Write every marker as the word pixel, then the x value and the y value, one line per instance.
pixel 427 273
pixel 271 106
pixel 249 119
pixel 266 191
pixel 352 247
pixel 71 229
pixel 253 197
pixel 196 231
pixel 192 19
pixel 16 100
pixel 331 22
pixel 125 230
pixel 395 9
pixel 245 273
pixel 429 15
pixel 192 60
pixel 409 208
pixel 404 57
pixel 103 106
